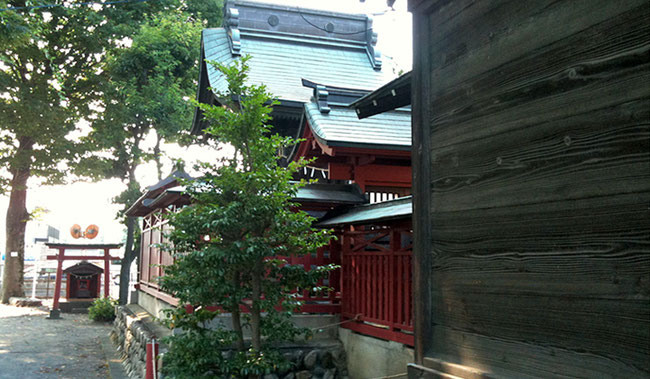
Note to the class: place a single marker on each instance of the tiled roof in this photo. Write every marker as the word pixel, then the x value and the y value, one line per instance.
pixel 341 127
pixel 281 63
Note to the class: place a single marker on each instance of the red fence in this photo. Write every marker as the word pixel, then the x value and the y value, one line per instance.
pixel 153 259
pixel 376 283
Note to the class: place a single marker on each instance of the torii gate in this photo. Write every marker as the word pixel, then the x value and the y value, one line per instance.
pixel 60 257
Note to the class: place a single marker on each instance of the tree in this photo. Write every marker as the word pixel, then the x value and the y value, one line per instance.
pixel 228 244
pixel 146 90
pixel 51 63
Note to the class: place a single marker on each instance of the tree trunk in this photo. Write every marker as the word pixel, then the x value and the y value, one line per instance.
pixel 236 317
pixel 129 255
pixel 256 312
pixel 156 156
pixel 17 216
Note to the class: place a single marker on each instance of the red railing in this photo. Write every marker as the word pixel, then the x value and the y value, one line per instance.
pixel 153 260
pixel 376 283
pixel 371 291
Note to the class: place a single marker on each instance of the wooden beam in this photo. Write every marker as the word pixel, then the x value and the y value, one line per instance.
pixel 83 246
pixel 83 258
pixel 372 175
pixel 107 272
pixel 422 254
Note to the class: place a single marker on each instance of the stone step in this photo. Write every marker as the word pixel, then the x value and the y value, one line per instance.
pixel 75 306
pixel 24 302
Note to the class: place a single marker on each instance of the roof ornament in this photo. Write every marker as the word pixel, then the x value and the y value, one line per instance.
pixel 371 45
pixel 232 26
pixel 320 94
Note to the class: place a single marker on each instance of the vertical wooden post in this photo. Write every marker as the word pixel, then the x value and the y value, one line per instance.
pixel 420 155
pixel 394 296
pixel 107 273
pixel 54 313
pixel 151 364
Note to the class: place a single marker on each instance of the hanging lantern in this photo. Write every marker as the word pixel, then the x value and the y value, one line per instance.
pixel 91 231
pixel 75 231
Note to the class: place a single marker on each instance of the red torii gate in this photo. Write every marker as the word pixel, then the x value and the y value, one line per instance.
pixel 60 257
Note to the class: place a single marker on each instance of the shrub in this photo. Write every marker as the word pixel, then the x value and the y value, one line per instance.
pixel 103 309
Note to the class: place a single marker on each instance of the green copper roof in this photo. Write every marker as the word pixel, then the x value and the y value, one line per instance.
pixel 281 62
pixel 342 127
pixel 373 213
pixel 330 193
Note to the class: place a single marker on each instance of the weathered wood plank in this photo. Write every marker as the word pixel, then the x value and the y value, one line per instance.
pixel 421 171
pixel 600 67
pixel 569 274
pixel 522 359
pixel 469 38
pixel 597 153
pixel 538 122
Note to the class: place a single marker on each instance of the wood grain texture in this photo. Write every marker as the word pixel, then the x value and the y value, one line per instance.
pixel 538 120
pixel 505 358
pixel 526 275
pixel 421 171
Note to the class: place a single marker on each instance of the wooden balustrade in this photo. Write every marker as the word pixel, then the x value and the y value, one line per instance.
pixel 376 283
pixel 154 259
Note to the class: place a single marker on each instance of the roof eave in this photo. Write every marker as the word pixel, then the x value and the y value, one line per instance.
pixel 393 95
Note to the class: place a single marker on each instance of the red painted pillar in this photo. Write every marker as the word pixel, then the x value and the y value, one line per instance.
pixel 107 273
pixel 59 273
pixel 152 360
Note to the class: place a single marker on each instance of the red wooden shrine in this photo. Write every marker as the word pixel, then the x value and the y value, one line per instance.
pixel 83 281
pixel 373 170
pixel 372 289
pixel 61 256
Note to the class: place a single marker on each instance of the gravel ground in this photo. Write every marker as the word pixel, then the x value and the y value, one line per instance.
pixel 34 347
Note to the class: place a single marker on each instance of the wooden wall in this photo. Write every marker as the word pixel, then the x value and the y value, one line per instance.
pixel 532 186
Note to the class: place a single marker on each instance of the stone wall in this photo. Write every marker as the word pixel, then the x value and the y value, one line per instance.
pixel 131 335
pixel 134 327
pixel 320 361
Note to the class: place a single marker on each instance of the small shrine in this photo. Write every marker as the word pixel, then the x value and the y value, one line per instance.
pixel 82 281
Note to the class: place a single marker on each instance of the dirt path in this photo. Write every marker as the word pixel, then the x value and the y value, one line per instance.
pixel 34 347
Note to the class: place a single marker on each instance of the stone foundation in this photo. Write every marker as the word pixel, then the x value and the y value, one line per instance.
pixel 24 302
pixel 134 328
pixel 314 361
pixel 131 335
pixel 371 357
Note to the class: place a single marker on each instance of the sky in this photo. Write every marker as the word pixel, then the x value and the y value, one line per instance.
pixel 86 203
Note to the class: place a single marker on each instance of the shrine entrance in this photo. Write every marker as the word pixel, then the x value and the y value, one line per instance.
pixel 82 280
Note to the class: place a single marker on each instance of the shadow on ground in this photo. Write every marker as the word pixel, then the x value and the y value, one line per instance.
pixel 32 346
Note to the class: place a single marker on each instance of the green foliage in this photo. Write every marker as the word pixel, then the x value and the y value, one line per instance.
pixel 230 242
pixel 209 11
pixel 206 354
pixel 103 309
pixel 69 62
pixel 51 71
pixel 147 88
